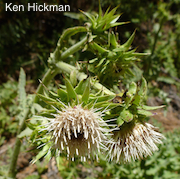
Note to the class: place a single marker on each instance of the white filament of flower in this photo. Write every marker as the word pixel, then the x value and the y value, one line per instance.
pixel 134 142
pixel 77 131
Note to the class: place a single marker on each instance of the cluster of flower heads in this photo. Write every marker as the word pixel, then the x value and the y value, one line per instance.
pixel 83 133
pixel 82 130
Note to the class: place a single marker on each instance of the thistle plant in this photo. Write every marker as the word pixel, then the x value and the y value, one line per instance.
pixel 111 56
pixel 81 118
pixel 76 128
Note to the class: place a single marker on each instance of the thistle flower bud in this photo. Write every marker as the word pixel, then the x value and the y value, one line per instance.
pixel 134 141
pixel 76 131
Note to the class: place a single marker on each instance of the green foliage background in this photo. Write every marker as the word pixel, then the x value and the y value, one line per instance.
pixel 27 38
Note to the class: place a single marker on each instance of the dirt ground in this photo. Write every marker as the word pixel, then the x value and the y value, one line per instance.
pixel 169 117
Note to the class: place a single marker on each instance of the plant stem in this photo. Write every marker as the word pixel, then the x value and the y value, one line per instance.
pixel 73 49
pixel 157 35
pixel 46 79
pixel 64 67
pixel 68 33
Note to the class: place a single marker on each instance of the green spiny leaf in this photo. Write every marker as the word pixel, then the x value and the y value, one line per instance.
pixel 136 100
pixel 111 13
pixel 70 90
pixel 112 39
pixel 62 94
pixel 106 104
pixel 107 11
pixel 129 42
pixel 100 12
pixel 144 112
pixel 80 88
pixel 53 95
pixel 73 78
pixel 50 101
pixel 115 18
pixel 118 24
pixel 151 107
pixel 126 115
pixel 97 48
pixel 41 153
pixel 143 88
pixel 140 54
pixel 101 62
pixel 26 132
pixel 85 96
pixel 120 121
pixel 131 93
pixel 89 105
pixel 103 98
pixel 91 17
pixel 46 99
pixel 93 60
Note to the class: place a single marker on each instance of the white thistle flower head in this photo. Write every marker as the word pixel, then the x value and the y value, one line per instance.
pixel 134 141
pixel 77 131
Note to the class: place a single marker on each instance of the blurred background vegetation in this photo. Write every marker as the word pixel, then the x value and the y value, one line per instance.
pixel 27 38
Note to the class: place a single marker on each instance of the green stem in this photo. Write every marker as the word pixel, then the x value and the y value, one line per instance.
pixel 73 49
pixel 70 32
pixel 157 35
pixel 46 79
pixel 64 67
